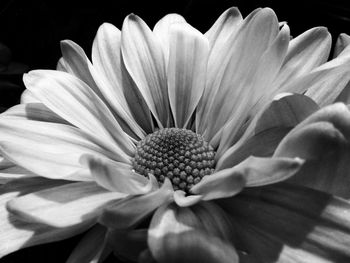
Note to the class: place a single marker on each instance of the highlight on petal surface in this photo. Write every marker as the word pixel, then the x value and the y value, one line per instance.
pixel 188 54
pixel 182 235
pixel 81 207
pixel 118 177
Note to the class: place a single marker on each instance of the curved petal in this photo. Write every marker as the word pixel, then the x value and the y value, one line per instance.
pixel 107 72
pixel 128 212
pixel 81 206
pixel 144 59
pixel 306 52
pixel 285 223
pixel 342 42
pixel 77 64
pixel 28 97
pixel 176 235
pixel 16 233
pixel 74 101
pixel 224 26
pixel 188 54
pixel 235 67
pixel 119 177
pixel 221 184
pixel 323 131
pixel 264 171
pixel 90 248
pixel 14 172
pixel 49 149
pixel 33 111
pixel 268 126
pixel 182 200
pixel 161 30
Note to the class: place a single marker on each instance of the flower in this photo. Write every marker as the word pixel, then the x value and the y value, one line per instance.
pixel 173 145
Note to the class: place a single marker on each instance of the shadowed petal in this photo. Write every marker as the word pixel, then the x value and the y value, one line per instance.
pixel 182 200
pixel 285 223
pixel 188 54
pixel 129 212
pixel 91 247
pixel 33 111
pixel 144 59
pixel 82 205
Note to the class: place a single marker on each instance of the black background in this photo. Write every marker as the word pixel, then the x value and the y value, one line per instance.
pixel 33 29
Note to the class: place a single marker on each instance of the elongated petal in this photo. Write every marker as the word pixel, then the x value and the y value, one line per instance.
pixel 264 171
pixel 16 233
pixel 82 205
pixel 33 111
pixel 118 177
pixel 131 211
pixel 223 27
pixel 74 101
pixel 14 172
pixel 144 60
pixel 326 90
pixel 268 126
pixel 342 42
pixel 188 56
pixel 224 183
pixel 305 52
pixel 162 28
pixel 234 68
pixel 78 64
pixel 176 235
pixel 107 72
pixel 38 150
pixel 90 247
pixel 294 224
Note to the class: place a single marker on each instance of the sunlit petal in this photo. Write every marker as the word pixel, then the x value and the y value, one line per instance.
pixel 188 54
pixel 81 206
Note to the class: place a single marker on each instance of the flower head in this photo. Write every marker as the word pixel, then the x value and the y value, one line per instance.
pixel 166 144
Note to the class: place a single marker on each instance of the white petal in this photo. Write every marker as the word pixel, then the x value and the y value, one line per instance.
pixel 342 42
pixel 82 205
pixel 118 177
pixel 70 98
pixel 221 184
pixel 144 59
pixel 235 68
pixel 17 234
pixel 49 149
pixel 107 72
pixel 188 56
pixel 28 97
pixel 305 52
pixel 161 30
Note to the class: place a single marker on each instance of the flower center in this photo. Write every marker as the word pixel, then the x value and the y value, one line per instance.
pixel 178 154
